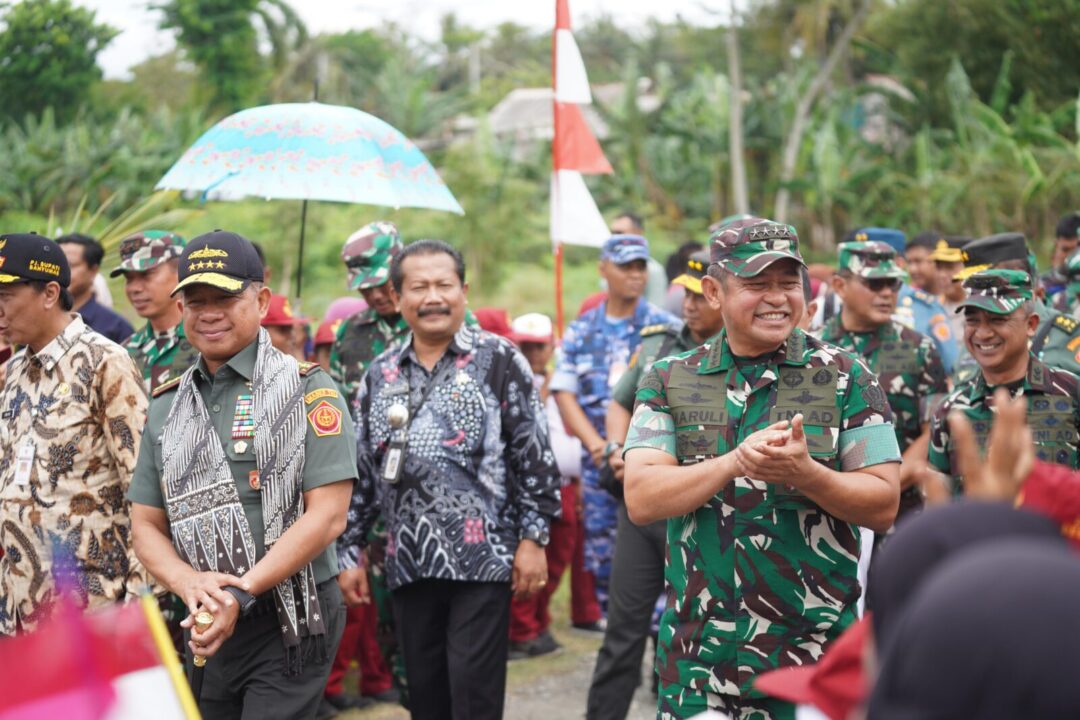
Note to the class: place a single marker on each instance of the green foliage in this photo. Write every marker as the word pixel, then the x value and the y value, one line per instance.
pixel 48 58
pixel 222 38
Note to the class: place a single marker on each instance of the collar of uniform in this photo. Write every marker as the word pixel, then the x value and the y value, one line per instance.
pixel 641 313
pixel 462 343
pixel 793 351
pixel 242 363
pixel 834 330
pixel 1036 379
pixel 51 354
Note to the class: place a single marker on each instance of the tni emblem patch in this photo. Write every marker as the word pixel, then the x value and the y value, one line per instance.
pixel 325 419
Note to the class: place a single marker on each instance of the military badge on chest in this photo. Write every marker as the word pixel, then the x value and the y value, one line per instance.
pixel 243 433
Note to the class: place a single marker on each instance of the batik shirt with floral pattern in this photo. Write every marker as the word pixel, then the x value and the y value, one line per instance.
pixel 478 473
pixel 80 403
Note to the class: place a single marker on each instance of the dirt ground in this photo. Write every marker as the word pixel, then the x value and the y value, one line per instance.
pixel 552 687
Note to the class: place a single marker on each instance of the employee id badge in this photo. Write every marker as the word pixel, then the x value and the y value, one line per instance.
pixel 394 462
pixel 24 462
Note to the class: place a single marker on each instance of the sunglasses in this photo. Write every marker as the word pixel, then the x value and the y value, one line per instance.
pixel 878 284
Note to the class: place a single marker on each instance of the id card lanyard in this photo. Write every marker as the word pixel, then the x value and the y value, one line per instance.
pixel 400 418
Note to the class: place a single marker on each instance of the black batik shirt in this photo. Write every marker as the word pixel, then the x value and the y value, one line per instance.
pixel 478 473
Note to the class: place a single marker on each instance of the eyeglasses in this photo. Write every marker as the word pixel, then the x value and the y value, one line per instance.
pixel 878 284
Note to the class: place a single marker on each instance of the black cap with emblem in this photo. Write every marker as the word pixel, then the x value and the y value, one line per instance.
pixel 26 257
pixel 220 259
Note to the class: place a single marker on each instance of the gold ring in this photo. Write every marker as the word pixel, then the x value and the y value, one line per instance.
pixel 543 583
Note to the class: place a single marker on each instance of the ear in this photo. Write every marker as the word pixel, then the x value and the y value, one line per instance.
pixel 465 292
pixel 1032 324
pixel 713 291
pixel 263 298
pixel 839 285
pixel 51 297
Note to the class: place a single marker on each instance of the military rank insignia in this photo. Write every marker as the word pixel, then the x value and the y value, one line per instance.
pixel 243 426
pixel 325 419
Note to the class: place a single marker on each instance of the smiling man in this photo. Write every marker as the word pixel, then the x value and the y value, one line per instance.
pixel 906 362
pixel 765 449
pixel 148 262
pixel 999 323
pixel 454 451
pixel 240 490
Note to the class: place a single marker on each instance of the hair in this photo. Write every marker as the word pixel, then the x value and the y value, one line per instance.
pixel 424 247
pixel 676 261
pixel 93 253
pixel 807 286
pixel 1069 225
pixel 632 217
pixel 67 301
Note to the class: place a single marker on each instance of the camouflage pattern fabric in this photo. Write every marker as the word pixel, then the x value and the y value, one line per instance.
pixel 1053 414
pixel 676 703
pixel 367 254
pixel 869 260
pixel 657 341
pixel 595 355
pixel 997 291
pixel 360 339
pixel 759 577
pixel 910 371
pixel 746 247
pixel 161 356
pixel 144 250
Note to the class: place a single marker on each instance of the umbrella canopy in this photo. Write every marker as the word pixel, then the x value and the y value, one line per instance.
pixel 310 151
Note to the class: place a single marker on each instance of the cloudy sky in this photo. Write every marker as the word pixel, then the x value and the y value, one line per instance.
pixel 140 38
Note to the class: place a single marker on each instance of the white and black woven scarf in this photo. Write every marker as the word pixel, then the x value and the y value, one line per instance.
pixel 209 528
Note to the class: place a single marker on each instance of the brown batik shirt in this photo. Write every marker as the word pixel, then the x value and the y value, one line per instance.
pixel 80 404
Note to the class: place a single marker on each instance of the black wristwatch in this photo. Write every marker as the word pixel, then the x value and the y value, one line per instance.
pixel 245 599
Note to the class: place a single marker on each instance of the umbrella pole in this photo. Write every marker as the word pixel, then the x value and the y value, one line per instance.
pixel 300 261
pixel 559 289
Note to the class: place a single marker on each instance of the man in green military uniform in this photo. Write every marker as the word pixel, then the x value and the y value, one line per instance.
pixel 148 262
pixel 241 487
pixel 364 336
pixel 999 322
pixel 637 575
pixel 1057 340
pixel 906 363
pixel 765 449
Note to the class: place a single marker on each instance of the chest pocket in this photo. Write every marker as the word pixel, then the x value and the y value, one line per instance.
pixel 698 405
pixel 1053 427
pixel 897 358
pixel 812 392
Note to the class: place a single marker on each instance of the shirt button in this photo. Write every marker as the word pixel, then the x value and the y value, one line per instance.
pixel 216 408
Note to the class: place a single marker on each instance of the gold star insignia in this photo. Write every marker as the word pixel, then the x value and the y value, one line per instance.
pixel 220 265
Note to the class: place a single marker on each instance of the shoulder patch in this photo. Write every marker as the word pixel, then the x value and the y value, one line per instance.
pixel 320 393
pixel 306 368
pixel 1066 323
pixel 923 295
pixel 655 329
pixel 167 386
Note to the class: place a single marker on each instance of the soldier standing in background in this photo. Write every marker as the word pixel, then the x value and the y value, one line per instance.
pixel 148 262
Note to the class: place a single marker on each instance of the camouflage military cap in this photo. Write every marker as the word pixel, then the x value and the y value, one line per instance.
pixel 147 249
pixel 368 252
pixel 746 247
pixel 869 260
pixel 1072 272
pixel 997 291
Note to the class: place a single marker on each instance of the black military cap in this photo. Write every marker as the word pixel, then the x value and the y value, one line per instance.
pixel 948 248
pixel 28 256
pixel 987 252
pixel 219 259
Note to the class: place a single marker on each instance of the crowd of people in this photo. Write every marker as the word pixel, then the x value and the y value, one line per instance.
pixel 738 454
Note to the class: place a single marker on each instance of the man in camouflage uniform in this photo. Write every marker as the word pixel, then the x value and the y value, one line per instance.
pixel 999 321
pixel 637 575
pixel 361 338
pixel 1057 340
pixel 364 336
pixel 148 262
pixel 765 449
pixel 1068 300
pixel 906 363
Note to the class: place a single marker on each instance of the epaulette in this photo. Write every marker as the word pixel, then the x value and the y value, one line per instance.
pixel 1066 323
pixel 306 368
pixel 659 328
pixel 167 386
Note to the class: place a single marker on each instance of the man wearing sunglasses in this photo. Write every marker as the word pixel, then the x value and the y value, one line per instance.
pixel 907 363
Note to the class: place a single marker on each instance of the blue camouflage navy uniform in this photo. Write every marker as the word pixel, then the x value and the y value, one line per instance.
pixel 921 311
pixel 595 353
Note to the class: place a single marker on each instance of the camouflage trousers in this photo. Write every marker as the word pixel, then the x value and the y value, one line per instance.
pixel 677 702
pixel 600 512
pixel 386 628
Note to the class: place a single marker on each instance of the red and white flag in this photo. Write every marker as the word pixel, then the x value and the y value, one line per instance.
pixel 575 152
